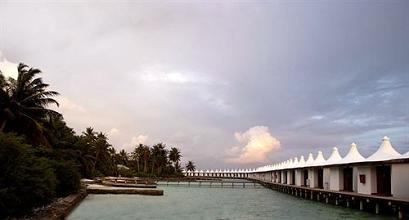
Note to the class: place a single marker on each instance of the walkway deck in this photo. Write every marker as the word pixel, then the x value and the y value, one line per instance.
pixel 132 185
pixel 372 203
pixel 215 183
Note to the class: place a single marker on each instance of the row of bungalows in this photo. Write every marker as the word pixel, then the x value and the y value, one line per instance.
pixel 384 173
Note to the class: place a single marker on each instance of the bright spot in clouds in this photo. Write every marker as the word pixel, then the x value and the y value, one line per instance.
pixel 256 145
pixel 159 74
pixel 166 77
pixel 140 139
pixel 7 68
pixel 113 132
pixel 69 106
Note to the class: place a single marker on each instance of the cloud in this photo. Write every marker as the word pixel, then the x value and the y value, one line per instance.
pixel 113 132
pixel 160 74
pixel 135 140
pixel 172 77
pixel 140 139
pixel 194 70
pixel 257 144
pixel 67 105
pixel 7 68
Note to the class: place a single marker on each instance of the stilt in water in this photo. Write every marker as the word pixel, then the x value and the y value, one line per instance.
pixel 400 213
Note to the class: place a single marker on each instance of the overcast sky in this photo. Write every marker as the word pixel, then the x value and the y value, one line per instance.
pixel 233 85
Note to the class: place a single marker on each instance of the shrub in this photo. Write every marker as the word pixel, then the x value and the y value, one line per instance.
pixel 68 178
pixel 26 181
pixel 125 172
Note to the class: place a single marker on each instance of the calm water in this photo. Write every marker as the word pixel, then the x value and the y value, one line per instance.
pixel 211 203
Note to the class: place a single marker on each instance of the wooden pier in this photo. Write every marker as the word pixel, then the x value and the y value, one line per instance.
pixel 215 183
pixel 150 192
pixel 132 185
pixel 123 185
pixel 385 205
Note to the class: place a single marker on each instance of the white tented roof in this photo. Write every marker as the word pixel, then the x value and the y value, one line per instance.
pixel 353 156
pixel 310 160
pixel 290 164
pixel 319 160
pixel 301 162
pixel 295 162
pixel 384 152
pixel 334 158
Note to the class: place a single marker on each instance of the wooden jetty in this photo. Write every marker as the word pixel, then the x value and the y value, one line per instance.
pixel 100 189
pixel 124 185
pixel 371 203
pixel 133 185
pixel 211 183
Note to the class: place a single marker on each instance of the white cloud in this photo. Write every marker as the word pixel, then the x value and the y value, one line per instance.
pixel 8 69
pixel 67 105
pixel 172 77
pixel 113 132
pixel 256 145
pixel 159 74
pixel 135 140
pixel 140 139
pixel 317 117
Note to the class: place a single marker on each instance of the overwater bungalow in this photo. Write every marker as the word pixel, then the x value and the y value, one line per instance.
pixel 385 173
pixel 376 175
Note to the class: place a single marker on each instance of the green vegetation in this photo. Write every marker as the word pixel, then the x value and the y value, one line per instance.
pixel 155 161
pixel 190 166
pixel 41 158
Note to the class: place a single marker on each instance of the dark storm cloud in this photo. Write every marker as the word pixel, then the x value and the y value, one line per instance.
pixel 317 74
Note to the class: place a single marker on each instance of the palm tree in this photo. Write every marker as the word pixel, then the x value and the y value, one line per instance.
pixel 138 155
pixel 175 156
pixel 190 166
pixel 89 151
pixel 24 104
pixel 104 154
pixel 123 157
pixel 159 157
pixel 146 155
pixel 89 134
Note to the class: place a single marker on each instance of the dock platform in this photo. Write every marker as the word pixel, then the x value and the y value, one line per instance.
pixel 101 189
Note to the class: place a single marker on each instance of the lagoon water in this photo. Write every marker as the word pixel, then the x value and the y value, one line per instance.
pixel 181 202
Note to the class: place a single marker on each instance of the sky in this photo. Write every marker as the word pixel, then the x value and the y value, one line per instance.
pixel 233 84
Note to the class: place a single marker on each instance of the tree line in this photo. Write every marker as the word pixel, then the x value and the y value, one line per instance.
pixel 41 158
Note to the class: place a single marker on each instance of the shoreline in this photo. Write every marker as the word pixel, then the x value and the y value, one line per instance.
pixel 58 209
